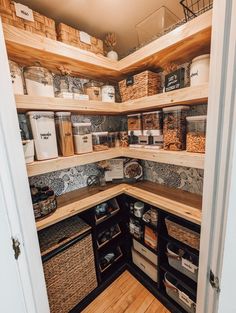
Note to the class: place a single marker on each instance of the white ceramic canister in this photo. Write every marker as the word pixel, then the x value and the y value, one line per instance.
pixel 113 55
pixel 108 93
pixel 28 147
pixel 44 134
pixel 16 78
pixel 138 209
pixel 199 70
pixel 39 81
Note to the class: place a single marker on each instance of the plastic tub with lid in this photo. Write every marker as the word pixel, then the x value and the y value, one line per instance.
pixel 82 138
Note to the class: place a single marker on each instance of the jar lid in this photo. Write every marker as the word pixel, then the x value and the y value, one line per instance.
pixel 196 118
pixel 43 113
pixel 100 134
pixel 63 113
pixel 153 112
pixel 201 57
pixel 176 108
pixel 137 114
pixel 107 85
pixel 81 124
pixel 139 205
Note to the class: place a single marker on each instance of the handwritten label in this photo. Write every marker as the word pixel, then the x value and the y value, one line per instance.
pixel 24 12
pixel 189 266
pixel 85 38
pixel 183 297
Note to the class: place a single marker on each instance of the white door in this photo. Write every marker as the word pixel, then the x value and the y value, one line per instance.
pixel 22 285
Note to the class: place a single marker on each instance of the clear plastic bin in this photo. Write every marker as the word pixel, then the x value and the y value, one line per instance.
pixel 82 138
pixel 152 123
pixel 100 141
pixel 196 133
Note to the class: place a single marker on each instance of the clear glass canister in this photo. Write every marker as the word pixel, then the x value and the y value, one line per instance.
pixel 174 129
pixel 64 133
pixel 93 90
pixel 152 123
pixel 82 138
pixel 16 78
pixel 39 81
pixel 135 124
pixel 82 128
pixel 100 141
pixel 196 133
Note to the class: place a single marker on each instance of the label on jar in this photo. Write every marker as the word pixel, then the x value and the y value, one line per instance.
pixel 45 136
pixel 189 266
pixel 24 12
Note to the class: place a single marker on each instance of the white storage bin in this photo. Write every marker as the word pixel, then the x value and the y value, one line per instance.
pixel 16 78
pixel 199 70
pixel 44 133
pixel 145 252
pixel 147 267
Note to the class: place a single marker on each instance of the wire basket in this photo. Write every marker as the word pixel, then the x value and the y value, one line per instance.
pixel 193 8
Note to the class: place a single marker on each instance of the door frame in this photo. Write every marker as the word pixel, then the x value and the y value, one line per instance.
pixel 220 153
pixel 15 187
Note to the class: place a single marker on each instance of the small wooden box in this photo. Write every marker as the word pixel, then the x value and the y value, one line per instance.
pixel 71 36
pixel 42 25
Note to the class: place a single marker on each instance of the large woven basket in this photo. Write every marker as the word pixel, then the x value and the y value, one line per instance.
pixel 70 269
pixel 140 85
pixel 42 25
pixel 183 234
pixel 71 36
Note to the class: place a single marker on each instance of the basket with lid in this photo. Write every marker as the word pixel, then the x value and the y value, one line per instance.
pixel 82 138
pixel 196 133
pixel 39 81
pixel 64 133
pixel 174 128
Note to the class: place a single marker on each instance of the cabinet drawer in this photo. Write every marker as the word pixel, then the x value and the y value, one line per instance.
pixel 147 267
pixel 145 252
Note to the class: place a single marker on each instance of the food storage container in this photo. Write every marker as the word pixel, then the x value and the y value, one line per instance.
pixel 138 209
pixel 64 133
pixel 146 266
pixel 82 138
pixel 124 139
pixel 100 141
pixel 44 134
pixel 39 81
pixel 199 70
pixel 93 90
pixel 174 129
pixel 134 124
pixel 16 78
pixel 113 139
pixel 108 93
pixel 152 123
pixel 196 133
pixel 28 147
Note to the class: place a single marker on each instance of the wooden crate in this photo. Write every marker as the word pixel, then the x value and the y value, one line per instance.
pixel 71 36
pixel 42 25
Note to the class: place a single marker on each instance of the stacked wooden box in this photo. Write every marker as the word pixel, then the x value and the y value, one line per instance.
pixel 71 36
pixel 42 25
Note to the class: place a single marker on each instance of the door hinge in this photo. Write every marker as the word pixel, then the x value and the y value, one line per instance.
pixel 214 281
pixel 16 247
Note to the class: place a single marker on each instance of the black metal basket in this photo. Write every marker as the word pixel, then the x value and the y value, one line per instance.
pixel 193 8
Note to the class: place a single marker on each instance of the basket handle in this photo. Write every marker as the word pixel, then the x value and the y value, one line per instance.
pixel 170 286
pixel 171 256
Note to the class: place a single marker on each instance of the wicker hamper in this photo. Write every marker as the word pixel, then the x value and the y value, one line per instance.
pixel 42 25
pixel 71 36
pixel 68 263
pixel 140 85
pixel 182 233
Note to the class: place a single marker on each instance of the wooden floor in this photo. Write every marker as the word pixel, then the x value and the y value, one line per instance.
pixel 127 295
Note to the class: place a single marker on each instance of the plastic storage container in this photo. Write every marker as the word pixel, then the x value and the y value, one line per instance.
pixel 39 81
pixel 152 123
pixel 199 70
pixel 174 129
pixel 108 93
pixel 135 124
pixel 196 133
pixel 93 90
pixel 16 78
pixel 64 133
pixel 44 134
pixel 100 141
pixel 82 138
pixel 113 139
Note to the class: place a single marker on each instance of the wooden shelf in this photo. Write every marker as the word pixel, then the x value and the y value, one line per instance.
pixel 180 45
pixel 175 201
pixel 189 96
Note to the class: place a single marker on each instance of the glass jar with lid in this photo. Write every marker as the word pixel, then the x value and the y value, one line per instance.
pixel 16 78
pixel 64 133
pixel 82 138
pixel 196 133
pixel 100 141
pixel 93 90
pixel 174 129
pixel 39 81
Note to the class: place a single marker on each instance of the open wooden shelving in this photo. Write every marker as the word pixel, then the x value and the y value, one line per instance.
pixel 180 45
pixel 189 96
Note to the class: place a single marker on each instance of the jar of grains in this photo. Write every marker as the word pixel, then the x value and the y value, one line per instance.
pixel 174 130
pixel 196 133
pixel 93 90
pixel 152 123
pixel 64 133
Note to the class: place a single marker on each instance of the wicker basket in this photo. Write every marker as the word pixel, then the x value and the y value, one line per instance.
pixel 42 25
pixel 70 269
pixel 71 36
pixel 140 85
pixel 183 234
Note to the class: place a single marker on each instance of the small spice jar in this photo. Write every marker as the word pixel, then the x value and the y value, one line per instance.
pixel 82 138
pixel 196 133
pixel 64 133
pixel 93 90
pixel 39 81
pixel 16 78
pixel 100 141
pixel 108 93
pixel 174 130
